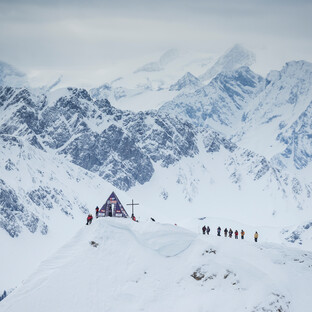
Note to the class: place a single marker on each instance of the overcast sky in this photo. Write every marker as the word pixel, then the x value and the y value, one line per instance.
pixel 81 36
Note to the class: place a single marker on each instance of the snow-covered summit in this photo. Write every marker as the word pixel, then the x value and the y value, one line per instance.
pixel 234 58
pixel 10 76
pixel 160 64
pixel 188 82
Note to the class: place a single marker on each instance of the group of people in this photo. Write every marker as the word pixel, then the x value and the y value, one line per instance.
pixel 206 230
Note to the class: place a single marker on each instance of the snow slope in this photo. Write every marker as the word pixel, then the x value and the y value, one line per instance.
pixel 149 266
pixel 43 202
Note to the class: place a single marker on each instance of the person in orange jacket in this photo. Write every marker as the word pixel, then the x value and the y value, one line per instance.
pixel 242 234
pixel 256 236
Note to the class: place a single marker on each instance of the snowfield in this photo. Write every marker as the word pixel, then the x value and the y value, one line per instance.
pixel 117 264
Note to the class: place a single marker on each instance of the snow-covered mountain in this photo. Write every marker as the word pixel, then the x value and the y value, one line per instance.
pixel 10 76
pixel 220 104
pixel 232 59
pixel 187 83
pixel 235 151
pixel 287 94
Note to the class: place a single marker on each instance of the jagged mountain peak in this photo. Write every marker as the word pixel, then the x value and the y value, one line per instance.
pixel 188 81
pixel 242 75
pixel 234 58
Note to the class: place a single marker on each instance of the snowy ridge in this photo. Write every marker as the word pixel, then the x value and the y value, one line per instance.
pixel 188 83
pixel 164 261
pixel 234 58
pixel 221 103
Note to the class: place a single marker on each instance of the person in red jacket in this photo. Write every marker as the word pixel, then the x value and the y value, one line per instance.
pixel 236 234
pixel 89 219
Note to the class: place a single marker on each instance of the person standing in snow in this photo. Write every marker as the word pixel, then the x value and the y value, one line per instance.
pixel 89 219
pixel 256 236
pixel 208 230
pixel 97 211
pixel 204 230
pixel 230 233
pixel 225 232
pixel 219 231
pixel 242 234
pixel 236 234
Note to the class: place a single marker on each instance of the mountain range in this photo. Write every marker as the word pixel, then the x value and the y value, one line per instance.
pixel 226 144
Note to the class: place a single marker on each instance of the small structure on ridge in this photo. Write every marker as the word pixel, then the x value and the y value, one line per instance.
pixel 113 208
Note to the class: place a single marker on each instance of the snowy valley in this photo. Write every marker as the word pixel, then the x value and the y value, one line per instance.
pixel 195 140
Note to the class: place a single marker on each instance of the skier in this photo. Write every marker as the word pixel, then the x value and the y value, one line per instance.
pixel 153 219
pixel 219 231
pixel 230 233
pixel 97 211
pixel 204 230
pixel 89 219
pixel 242 234
pixel 256 236
pixel 225 232
pixel 208 230
pixel 236 234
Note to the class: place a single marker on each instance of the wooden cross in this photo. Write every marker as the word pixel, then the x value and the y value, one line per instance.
pixel 132 204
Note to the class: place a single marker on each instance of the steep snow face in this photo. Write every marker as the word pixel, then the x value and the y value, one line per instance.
pixel 221 103
pixel 272 113
pixel 187 83
pixel 298 139
pixel 114 264
pixel 236 57
pixel 43 202
pixel 12 77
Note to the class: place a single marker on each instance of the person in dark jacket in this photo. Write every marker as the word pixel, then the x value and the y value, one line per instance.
pixel 219 231
pixel 97 211
pixel 242 234
pixel 208 230
pixel 204 230
pixel 225 232
pixel 236 234
pixel 230 233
